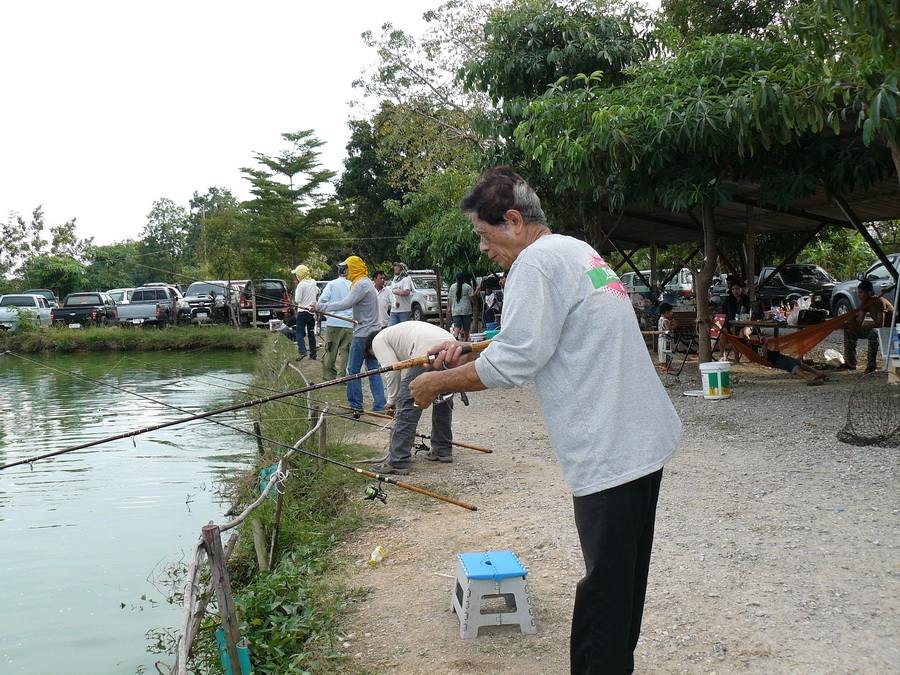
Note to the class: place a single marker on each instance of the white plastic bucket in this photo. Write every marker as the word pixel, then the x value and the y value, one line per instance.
pixel 275 324
pixel 716 377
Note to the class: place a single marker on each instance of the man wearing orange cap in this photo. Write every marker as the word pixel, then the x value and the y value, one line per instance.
pixel 363 300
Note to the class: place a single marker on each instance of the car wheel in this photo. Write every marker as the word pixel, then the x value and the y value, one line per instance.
pixel 842 306
pixel 417 313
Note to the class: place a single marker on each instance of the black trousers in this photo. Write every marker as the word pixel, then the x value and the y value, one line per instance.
pixel 615 527
pixel 306 327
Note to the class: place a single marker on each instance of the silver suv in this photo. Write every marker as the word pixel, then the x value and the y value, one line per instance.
pixel 844 297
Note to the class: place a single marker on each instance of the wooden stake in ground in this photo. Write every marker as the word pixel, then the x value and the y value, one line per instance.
pixel 218 572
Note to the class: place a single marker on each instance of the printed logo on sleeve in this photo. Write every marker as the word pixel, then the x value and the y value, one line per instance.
pixel 603 278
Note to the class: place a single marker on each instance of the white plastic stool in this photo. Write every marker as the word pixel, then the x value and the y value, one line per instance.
pixel 491 575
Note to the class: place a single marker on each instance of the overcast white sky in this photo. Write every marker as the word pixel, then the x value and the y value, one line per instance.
pixel 108 106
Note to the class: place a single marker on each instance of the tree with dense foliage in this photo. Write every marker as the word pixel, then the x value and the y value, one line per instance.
pixel 25 252
pixel 60 273
pixel 164 239
pixel 289 209
pixel 696 18
pixel 440 236
pixel 117 266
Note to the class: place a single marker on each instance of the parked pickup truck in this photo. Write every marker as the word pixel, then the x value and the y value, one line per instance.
pixel 13 307
pixel 845 297
pixel 207 300
pixel 272 301
pixel 46 293
pixel 150 305
pixel 809 280
pixel 84 309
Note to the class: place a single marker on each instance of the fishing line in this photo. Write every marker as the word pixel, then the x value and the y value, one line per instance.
pixel 307 408
pixel 424 360
pixel 362 472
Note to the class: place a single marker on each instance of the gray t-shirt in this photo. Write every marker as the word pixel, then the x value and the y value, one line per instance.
pixel 363 299
pixel 568 325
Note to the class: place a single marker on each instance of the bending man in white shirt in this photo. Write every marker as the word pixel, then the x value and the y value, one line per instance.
pixel 398 343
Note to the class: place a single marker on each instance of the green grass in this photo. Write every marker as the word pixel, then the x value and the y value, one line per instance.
pixel 117 339
pixel 290 615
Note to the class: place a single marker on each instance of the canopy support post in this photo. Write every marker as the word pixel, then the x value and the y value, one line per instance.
pixel 870 240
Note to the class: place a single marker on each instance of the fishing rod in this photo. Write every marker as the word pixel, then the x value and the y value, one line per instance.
pixel 415 362
pixel 363 472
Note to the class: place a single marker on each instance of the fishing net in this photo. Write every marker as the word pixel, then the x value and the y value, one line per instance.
pixel 873 413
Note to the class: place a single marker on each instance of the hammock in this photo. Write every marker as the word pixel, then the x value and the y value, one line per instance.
pixel 798 343
pixel 802 341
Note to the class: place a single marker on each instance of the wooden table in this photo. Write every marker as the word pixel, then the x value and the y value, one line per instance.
pixel 774 325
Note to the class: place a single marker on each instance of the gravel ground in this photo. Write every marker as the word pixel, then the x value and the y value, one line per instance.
pixel 776 546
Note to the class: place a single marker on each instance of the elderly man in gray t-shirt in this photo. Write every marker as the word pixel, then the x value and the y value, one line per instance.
pixel 569 326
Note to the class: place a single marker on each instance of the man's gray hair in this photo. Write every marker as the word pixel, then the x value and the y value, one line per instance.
pixel 499 190
pixel 526 202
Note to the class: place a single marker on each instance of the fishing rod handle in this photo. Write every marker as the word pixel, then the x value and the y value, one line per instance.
pixel 470 446
pixel 415 488
pixel 428 359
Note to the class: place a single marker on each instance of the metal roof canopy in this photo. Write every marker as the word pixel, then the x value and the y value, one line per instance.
pixel 638 226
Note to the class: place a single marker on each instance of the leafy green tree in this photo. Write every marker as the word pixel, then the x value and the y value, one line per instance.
pixel 21 241
pixel 202 206
pixel 364 188
pixel 62 274
pixel 678 130
pixel 696 18
pixel 859 43
pixel 116 266
pixel 440 237
pixel 289 208
pixel 164 239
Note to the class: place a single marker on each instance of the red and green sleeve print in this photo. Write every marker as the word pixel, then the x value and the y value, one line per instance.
pixel 603 278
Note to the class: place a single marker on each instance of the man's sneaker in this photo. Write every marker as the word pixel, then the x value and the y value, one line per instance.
pixel 431 456
pixel 300 357
pixel 388 468
pixel 870 369
pixel 312 357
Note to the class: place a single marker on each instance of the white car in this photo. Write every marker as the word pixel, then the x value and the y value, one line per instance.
pixel 12 306
pixel 121 296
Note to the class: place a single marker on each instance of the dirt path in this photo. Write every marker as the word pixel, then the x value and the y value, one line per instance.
pixel 776 546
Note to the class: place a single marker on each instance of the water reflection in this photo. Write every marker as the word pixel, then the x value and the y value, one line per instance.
pixel 80 533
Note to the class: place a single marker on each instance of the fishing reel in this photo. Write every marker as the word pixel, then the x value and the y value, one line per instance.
pixel 374 492
pixel 421 446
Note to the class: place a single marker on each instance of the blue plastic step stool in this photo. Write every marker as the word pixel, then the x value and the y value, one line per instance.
pixel 491 575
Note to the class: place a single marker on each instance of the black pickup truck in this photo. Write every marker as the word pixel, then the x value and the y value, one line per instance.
pixel 85 309
pixel 809 280
pixel 273 301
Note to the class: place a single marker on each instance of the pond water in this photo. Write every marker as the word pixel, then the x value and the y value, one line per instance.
pixel 85 538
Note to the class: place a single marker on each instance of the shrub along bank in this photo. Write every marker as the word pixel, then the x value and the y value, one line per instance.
pixel 129 339
pixel 289 615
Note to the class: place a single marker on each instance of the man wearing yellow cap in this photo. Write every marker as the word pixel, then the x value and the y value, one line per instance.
pixel 363 300
pixel 304 296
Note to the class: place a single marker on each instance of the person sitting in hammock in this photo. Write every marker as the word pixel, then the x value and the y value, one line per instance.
pixel 789 364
